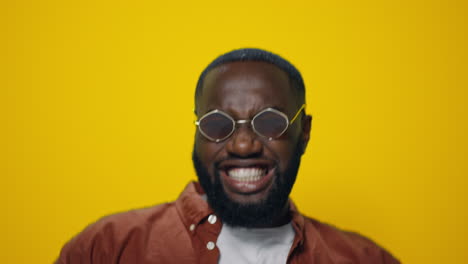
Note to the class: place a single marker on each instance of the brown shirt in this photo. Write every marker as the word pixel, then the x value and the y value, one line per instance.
pixel 186 231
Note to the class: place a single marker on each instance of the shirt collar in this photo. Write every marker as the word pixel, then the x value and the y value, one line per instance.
pixel 191 206
pixel 193 209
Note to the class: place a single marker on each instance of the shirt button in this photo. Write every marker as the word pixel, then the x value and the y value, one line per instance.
pixel 212 219
pixel 210 245
pixel 192 227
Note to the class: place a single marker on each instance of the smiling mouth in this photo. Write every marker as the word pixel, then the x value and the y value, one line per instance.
pixel 247 177
pixel 249 174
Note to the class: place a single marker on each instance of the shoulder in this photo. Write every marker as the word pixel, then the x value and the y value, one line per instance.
pixel 347 244
pixel 120 224
pixel 111 233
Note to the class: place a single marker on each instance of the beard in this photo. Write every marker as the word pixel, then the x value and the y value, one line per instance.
pixel 261 213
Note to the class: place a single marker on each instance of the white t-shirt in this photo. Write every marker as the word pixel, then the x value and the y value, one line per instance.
pixel 238 245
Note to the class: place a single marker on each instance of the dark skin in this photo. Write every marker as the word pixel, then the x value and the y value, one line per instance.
pixel 242 89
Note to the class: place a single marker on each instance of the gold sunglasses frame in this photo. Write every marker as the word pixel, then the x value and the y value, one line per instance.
pixel 243 121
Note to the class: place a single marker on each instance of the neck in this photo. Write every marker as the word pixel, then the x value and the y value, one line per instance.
pixel 283 217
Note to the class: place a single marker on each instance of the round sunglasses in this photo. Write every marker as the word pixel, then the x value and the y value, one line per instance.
pixel 269 123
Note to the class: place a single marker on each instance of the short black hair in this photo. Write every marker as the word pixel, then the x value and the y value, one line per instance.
pixel 253 54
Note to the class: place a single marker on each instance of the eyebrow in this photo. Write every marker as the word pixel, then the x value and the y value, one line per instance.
pixel 281 109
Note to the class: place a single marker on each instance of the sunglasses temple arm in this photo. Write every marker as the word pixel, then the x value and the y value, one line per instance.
pixel 297 114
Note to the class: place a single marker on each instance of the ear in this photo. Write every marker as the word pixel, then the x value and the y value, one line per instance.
pixel 306 128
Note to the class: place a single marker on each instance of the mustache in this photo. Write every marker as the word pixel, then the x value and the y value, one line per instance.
pixel 218 163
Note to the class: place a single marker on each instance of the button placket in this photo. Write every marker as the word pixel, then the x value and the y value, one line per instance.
pixel 207 232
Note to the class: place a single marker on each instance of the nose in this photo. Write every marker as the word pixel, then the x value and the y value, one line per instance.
pixel 244 143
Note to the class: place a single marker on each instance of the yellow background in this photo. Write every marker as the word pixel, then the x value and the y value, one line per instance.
pixel 96 113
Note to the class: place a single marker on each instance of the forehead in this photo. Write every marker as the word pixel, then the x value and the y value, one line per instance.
pixel 246 86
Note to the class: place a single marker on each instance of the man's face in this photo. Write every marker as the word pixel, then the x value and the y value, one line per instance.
pixel 267 167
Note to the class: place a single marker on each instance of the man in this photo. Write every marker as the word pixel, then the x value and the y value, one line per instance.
pixel 252 130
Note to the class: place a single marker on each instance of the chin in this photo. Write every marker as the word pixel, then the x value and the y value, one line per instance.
pixel 252 210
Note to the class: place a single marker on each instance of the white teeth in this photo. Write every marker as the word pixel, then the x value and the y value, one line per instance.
pixel 246 174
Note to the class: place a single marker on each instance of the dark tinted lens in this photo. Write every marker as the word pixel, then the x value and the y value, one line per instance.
pixel 216 126
pixel 270 124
